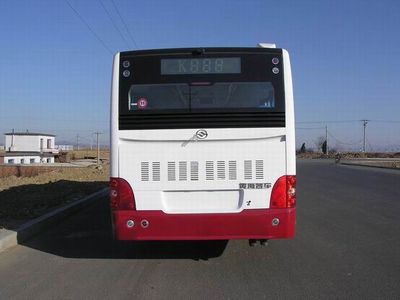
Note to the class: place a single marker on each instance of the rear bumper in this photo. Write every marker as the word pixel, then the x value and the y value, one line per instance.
pixel 248 224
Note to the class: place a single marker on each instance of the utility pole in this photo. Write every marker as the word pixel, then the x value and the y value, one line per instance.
pixel 365 122
pixel 98 146
pixel 326 139
pixel 12 142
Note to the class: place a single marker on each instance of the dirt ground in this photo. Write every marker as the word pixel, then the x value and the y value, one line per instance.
pixel 84 174
pixel 82 154
pixel 349 155
pixel 25 198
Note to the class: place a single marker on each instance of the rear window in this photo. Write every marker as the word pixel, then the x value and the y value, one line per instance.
pixel 189 97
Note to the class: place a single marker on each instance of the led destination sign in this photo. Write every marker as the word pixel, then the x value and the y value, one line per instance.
pixel 221 65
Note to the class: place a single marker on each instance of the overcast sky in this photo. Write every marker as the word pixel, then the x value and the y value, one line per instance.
pixel 55 72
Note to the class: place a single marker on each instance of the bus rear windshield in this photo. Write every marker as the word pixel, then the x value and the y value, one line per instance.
pixel 199 96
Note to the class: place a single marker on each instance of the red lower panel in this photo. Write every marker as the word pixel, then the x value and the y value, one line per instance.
pixel 248 224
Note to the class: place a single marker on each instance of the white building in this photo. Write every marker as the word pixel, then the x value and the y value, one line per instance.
pixel 65 147
pixel 27 148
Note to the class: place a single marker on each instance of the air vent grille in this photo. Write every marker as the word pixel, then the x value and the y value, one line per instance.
pixel 248 173
pixel 194 170
pixel 145 171
pixel 232 170
pixel 259 169
pixel 143 120
pixel 209 170
pixel 171 171
pixel 156 170
pixel 183 170
pixel 221 169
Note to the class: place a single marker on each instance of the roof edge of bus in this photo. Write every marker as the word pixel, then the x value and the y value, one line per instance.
pixel 266 45
pixel 201 50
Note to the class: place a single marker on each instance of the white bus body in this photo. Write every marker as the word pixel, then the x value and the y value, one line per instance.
pixel 217 163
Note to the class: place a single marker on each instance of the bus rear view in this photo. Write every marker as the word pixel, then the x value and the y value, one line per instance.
pixel 203 144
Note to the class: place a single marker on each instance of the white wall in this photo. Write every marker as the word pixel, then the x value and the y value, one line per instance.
pixel 27 159
pixel 47 160
pixel 30 143
pixel 22 143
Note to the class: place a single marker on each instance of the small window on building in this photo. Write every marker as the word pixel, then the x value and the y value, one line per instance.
pixel 22 161
pixel 32 160
pixel 48 160
pixel 48 143
pixel 11 161
pixel 41 145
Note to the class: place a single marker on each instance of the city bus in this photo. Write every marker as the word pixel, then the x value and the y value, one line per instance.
pixel 203 144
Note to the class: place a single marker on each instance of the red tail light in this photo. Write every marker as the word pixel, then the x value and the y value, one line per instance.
pixel 121 194
pixel 283 193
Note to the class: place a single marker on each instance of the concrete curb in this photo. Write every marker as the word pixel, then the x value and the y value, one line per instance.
pixel 10 238
pixel 366 164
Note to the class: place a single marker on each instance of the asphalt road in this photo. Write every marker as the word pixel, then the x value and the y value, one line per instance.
pixel 347 246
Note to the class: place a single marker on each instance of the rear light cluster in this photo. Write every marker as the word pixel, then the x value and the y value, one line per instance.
pixel 121 195
pixel 283 193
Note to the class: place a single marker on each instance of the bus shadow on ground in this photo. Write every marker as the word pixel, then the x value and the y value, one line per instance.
pixel 88 234
pixel 23 203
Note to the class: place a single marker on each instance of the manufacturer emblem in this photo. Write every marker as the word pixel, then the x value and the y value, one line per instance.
pixel 201 134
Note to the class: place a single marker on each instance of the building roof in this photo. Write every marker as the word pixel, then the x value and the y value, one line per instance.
pixel 15 153
pixel 29 133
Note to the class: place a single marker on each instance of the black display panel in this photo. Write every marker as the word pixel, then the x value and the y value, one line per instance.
pixel 219 65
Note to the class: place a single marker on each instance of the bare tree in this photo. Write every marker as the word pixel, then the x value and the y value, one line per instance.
pixel 303 148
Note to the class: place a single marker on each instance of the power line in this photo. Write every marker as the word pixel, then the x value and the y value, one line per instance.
pixel 35 129
pixel 123 22
pixel 113 23
pixel 324 122
pixel 384 121
pixel 39 118
pixel 346 121
pixel 341 142
pixel 88 27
